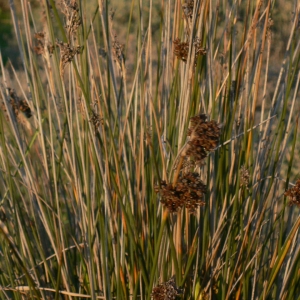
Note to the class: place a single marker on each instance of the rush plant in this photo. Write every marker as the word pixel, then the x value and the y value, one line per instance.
pixel 148 149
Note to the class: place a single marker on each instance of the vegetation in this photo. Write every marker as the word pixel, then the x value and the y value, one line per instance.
pixel 156 158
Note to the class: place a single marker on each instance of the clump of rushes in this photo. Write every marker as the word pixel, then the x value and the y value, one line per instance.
pixel 187 188
pixel 294 194
pixel 181 49
pixel 166 291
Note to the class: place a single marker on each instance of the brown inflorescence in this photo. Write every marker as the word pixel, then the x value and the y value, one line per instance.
pixel 244 176
pixel 71 10
pixel 187 8
pixel 181 49
pixel 204 137
pixel 189 192
pixel 18 104
pixel 117 50
pixel 166 291
pixel 24 108
pixel 294 194
pixel 199 50
pixel 67 53
pixel 95 120
pixel 40 44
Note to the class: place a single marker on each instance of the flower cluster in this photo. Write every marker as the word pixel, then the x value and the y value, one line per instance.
pixel 67 53
pixel 204 137
pixel 181 49
pixel 189 192
pixel 67 50
pixel 18 104
pixel 294 194
pixel 244 176
pixel 165 291
pixel 71 11
pixel 117 50
pixel 199 50
pixel 187 8
pixel 187 189
pixel 42 45
pixel 95 120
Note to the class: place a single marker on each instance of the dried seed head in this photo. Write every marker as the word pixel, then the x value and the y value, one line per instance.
pixel 193 190
pixel 24 108
pixel 199 50
pixel 181 50
pixel 170 197
pixel 204 137
pixel 95 120
pixel 117 49
pixel 67 53
pixel 187 8
pixel 40 48
pixel 18 104
pixel 294 194
pixel 166 291
pixel 148 135
pixel 189 192
pixel 71 10
pixel 244 176
pixel 40 36
pixel 14 101
pixel 269 30
pixel 197 153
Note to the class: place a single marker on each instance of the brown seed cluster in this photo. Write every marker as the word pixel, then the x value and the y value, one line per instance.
pixel 187 8
pixel 244 176
pixel 67 53
pixel 95 120
pixel 165 291
pixel 40 48
pixel 24 108
pixel 117 49
pixel 189 192
pixel 294 194
pixel 71 10
pixel 73 20
pixel 18 104
pixel 199 50
pixel 181 49
pixel 204 137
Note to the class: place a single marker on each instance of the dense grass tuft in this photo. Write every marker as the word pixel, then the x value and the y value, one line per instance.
pixel 152 158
